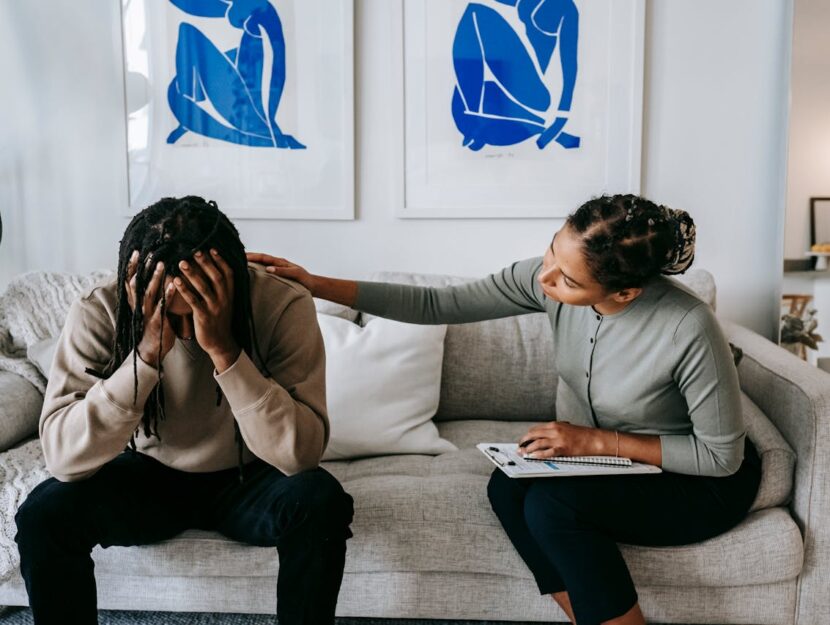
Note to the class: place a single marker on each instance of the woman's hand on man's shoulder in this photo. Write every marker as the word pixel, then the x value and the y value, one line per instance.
pixel 283 268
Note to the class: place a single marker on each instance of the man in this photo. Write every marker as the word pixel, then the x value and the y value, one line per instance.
pixel 188 391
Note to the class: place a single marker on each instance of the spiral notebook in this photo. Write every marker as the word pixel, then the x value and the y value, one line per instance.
pixel 506 456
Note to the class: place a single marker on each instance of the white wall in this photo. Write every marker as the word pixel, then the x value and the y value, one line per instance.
pixel 714 122
pixel 808 171
pixel 715 140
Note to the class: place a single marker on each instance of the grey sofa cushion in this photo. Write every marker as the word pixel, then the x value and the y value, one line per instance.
pixel 765 548
pixel 422 513
pixel 702 283
pixel 20 404
pixel 777 457
pixel 513 355
pixel 433 595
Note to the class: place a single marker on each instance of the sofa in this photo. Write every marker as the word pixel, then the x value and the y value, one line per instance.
pixel 427 545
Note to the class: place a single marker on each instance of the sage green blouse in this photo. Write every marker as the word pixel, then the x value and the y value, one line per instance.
pixel 661 366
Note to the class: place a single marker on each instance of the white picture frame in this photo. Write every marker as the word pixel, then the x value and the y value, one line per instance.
pixel 441 178
pixel 300 165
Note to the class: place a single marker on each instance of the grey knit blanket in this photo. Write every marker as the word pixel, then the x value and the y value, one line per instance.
pixel 33 308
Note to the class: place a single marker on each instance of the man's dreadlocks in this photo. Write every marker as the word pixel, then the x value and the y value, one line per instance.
pixel 169 231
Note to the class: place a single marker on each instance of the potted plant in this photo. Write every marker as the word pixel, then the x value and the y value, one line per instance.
pixel 798 333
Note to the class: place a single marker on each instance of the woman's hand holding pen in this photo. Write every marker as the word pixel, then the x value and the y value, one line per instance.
pixel 560 438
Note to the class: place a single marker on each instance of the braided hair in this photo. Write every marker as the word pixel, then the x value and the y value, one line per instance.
pixel 628 240
pixel 169 231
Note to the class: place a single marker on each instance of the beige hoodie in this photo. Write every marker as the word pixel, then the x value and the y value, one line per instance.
pixel 87 421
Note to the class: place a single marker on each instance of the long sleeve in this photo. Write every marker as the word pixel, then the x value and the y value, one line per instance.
pixel 283 420
pixel 86 421
pixel 708 379
pixel 512 291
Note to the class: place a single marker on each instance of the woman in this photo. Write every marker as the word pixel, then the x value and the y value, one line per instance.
pixel 644 372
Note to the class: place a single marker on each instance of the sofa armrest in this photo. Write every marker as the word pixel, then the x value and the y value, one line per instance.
pixel 19 409
pixel 796 398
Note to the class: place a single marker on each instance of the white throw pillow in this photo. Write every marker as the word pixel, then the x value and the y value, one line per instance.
pixel 325 307
pixel 383 383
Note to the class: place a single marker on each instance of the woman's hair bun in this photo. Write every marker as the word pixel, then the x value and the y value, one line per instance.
pixel 628 240
pixel 682 253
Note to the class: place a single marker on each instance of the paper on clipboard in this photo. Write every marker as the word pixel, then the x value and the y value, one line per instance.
pixel 506 457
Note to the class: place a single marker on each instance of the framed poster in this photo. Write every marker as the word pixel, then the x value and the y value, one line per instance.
pixel 248 103
pixel 520 108
pixel 820 221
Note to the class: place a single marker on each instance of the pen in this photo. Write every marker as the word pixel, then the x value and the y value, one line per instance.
pixel 530 440
pixel 496 460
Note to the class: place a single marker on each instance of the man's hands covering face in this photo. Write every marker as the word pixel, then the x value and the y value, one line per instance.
pixel 209 289
pixel 158 337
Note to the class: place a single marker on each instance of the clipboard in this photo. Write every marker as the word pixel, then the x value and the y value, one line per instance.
pixel 507 458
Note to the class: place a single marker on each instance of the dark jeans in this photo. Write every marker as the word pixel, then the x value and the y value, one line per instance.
pixel 567 529
pixel 136 500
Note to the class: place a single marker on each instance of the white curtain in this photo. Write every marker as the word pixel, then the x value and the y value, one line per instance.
pixel 61 133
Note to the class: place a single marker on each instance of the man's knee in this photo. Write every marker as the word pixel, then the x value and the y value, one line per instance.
pixel 320 502
pixel 48 513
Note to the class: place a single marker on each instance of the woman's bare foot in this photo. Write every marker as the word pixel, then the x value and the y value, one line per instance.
pixel 633 617
pixel 564 602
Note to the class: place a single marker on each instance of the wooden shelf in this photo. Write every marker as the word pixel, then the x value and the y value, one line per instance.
pixel 813 275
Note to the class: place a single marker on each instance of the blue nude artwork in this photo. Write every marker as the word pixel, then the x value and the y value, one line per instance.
pixel 500 97
pixel 243 101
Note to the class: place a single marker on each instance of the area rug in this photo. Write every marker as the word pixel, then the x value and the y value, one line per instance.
pixel 23 616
